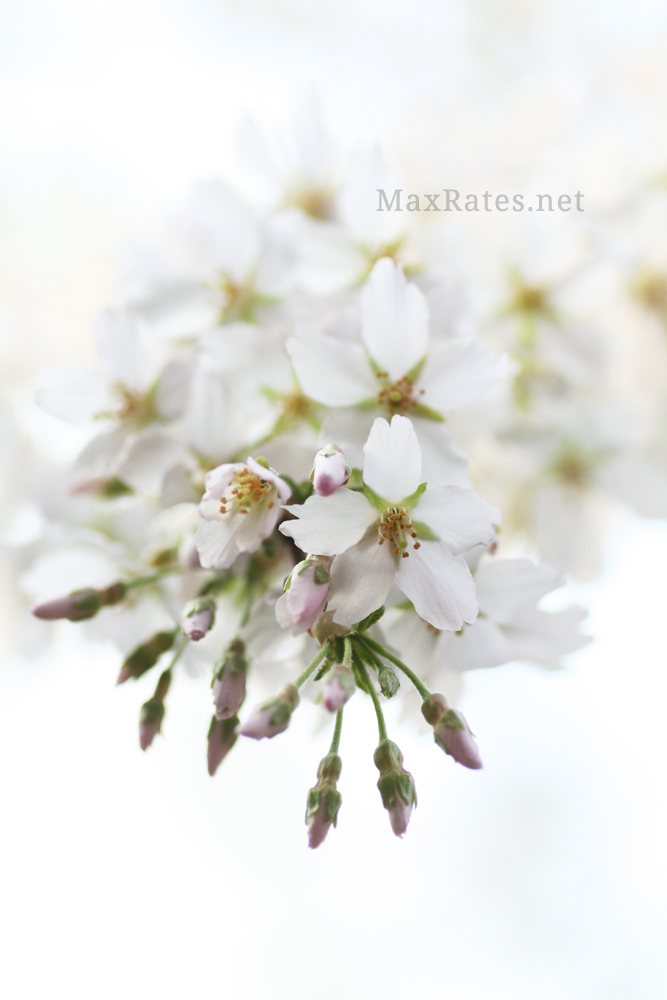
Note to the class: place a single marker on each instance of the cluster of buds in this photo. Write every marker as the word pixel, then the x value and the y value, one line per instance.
pixel 324 800
pixel 396 786
pixel 451 731
pixel 146 655
pixel 229 680
pixel 81 604
pixel 198 618
pixel 153 711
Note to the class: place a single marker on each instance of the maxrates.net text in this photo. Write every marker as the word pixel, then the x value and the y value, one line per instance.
pixel 451 200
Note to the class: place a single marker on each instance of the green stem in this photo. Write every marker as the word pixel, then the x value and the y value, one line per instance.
pixel 347 655
pixel 144 581
pixel 365 640
pixel 302 678
pixel 382 728
pixel 335 742
pixel 179 649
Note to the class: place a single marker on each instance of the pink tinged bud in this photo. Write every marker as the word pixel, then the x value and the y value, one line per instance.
pixel 273 716
pixel 331 470
pixel 452 732
pixel 339 686
pixel 229 681
pixel 305 598
pixel 222 736
pixel 198 618
pixel 396 786
pixel 80 604
pixel 324 800
pixel 150 722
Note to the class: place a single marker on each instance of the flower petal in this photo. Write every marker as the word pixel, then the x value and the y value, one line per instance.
pixel 458 372
pixel 439 585
pixel 332 371
pixel 123 349
pixel 443 462
pixel 508 587
pixel 459 517
pixel 392 459
pixel 75 394
pixel 394 320
pixel 330 525
pixel 361 578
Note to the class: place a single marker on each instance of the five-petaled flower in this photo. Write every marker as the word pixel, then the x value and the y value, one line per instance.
pixel 397 531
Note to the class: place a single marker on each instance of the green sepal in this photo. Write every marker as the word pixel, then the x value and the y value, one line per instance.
pixel 371 619
pixel 321 574
pixel 424 533
pixel 451 720
pixel 374 499
pixel 416 370
pixel 421 410
pixel 414 497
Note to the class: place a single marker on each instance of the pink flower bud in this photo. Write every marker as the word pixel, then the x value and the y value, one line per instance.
pixel 229 680
pixel 339 686
pixel 273 716
pixel 452 732
pixel 150 722
pixel 198 618
pixel 222 736
pixel 324 800
pixel 331 470
pixel 396 786
pixel 75 607
pixel 305 597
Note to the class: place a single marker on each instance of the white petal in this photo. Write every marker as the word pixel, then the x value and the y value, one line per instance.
pixel 443 462
pixel 349 429
pixel 358 200
pixel 361 578
pixel 439 585
pixel 392 459
pixel 146 458
pixel 480 645
pixel 458 372
pixel 332 371
pixel 123 349
pixel 394 320
pixel 507 587
pixel 227 228
pixel 216 541
pixel 75 394
pixel 543 637
pixel 173 389
pixel 458 516
pixel 329 525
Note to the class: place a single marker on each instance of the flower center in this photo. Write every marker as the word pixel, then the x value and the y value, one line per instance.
pixel 398 397
pixel 245 492
pixel 396 528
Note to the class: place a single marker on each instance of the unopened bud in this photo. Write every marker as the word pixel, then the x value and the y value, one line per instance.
pixel 229 680
pixel 146 656
pixel 272 716
pixel 339 686
pixel 80 604
pixel 451 731
pixel 150 721
pixel 396 786
pixel 330 471
pixel 198 618
pixel 306 595
pixel 222 735
pixel 324 800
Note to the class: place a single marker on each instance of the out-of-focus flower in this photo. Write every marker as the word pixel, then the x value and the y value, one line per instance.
pixel 229 681
pixel 339 686
pixel 272 716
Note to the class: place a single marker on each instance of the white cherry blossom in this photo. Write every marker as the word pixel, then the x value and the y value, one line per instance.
pixel 399 531
pixel 240 508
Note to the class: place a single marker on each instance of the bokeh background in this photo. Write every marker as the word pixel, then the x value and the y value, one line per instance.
pixel 123 874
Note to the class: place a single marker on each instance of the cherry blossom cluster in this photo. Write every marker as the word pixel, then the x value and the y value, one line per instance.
pixel 280 446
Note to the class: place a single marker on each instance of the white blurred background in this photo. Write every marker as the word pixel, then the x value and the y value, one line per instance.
pixel 123 874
